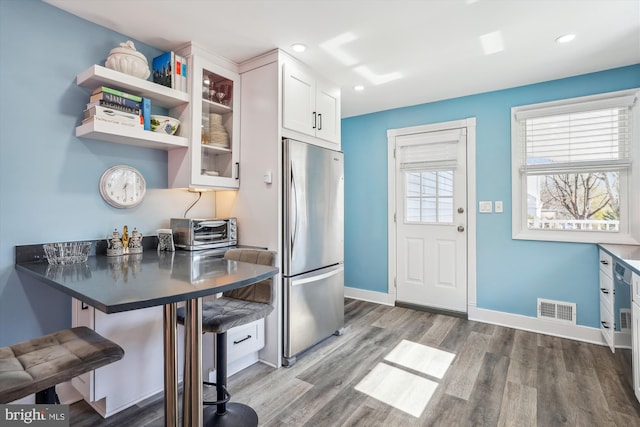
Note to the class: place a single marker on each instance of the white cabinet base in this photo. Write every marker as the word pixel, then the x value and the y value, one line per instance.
pixel 139 374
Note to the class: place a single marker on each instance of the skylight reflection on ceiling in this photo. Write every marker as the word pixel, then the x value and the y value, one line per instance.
pixel 492 42
pixel 334 47
pixel 376 79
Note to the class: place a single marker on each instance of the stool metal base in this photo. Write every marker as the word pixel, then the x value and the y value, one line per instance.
pixel 238 415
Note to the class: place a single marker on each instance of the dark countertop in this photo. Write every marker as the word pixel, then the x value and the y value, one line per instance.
pixel 130 282
pixel 628 254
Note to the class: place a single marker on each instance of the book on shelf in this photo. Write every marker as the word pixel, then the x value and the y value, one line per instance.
pixel 146 113
pixel 111 112
pixel 105 89
pixel 162 69
pixel 116 99
pixel 119 107
pixel 183 73
pixel 120 121
pixel 177 78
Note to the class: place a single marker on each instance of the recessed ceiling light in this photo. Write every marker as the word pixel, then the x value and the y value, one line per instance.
pixel 298 47
pixel 358 88
pixel 565 38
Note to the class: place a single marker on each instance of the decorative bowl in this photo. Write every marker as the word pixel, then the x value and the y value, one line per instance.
pixel 67 252
pixel 128 60
pixel 164 124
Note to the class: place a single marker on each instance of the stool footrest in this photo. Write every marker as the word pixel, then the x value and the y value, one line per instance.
pixel 227 395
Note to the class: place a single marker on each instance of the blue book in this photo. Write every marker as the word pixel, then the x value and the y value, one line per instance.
pixel 146 113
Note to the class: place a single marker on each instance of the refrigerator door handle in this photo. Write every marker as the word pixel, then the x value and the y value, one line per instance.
pixel 294 211
pixel 299 282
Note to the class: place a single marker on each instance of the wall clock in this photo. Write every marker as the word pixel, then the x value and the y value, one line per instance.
pixel 122 186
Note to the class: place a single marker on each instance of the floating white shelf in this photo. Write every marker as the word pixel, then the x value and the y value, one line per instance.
pixel 130 136
pixel 161 96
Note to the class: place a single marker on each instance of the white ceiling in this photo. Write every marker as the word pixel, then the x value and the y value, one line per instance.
pixel 434 44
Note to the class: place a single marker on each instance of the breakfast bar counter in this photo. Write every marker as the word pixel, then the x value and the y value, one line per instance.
pixel 136 281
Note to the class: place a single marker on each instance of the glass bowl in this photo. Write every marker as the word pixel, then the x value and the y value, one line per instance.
pixel 67 252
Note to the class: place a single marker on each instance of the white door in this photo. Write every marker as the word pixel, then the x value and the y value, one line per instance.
pixel 431 214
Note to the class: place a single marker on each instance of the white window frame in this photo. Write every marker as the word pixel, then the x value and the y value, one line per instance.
pixel 629 193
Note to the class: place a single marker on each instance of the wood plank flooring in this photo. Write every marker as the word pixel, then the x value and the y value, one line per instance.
pixel 499 377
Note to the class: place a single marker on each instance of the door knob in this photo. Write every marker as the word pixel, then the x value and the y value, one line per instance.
pixel 460 210
pixel 461 228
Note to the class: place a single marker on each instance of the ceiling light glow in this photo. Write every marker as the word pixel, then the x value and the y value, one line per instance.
pixel 358 88
pixel 565 38
pixel 298 47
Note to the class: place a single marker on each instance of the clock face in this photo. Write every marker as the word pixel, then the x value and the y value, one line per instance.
pixel 122 187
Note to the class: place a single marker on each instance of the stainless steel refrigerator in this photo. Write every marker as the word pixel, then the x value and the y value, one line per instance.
pixel 313 258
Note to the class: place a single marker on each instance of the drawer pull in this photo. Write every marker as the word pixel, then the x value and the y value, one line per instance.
pixel 604 290
pixel 604 262
pixel 605 325
pixel 248 337
pixel 84 306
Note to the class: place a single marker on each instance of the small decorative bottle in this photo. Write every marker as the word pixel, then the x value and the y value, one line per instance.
pixel 135 242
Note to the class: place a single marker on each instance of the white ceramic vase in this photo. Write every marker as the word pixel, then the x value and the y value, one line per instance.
pixel 128 60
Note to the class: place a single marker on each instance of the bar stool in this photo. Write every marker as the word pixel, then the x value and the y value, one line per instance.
pixel 234 308
pixel 37 365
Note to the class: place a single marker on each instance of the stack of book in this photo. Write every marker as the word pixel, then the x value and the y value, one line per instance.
pixel 116 107
pixel 170 69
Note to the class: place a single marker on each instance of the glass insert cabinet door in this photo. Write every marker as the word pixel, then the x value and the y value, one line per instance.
pixel 217 125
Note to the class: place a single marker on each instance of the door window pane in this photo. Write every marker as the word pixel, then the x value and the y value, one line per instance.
pixel 429 197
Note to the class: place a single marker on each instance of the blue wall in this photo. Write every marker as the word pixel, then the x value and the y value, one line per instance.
pixel 511 274
pixel 48 177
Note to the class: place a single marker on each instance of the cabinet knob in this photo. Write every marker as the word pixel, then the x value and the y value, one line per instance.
pixel 460 228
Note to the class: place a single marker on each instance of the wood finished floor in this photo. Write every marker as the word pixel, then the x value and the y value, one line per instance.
pixel 499 377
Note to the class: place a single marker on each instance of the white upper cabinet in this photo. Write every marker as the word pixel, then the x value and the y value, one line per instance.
pixel 212 123
pixel 310 106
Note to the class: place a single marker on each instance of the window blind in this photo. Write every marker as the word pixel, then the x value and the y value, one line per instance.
pixel 591 140
pixel 429 151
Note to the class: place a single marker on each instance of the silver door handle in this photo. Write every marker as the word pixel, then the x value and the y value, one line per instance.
pixel 461 228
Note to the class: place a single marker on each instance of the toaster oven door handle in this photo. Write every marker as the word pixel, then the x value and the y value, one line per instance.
pixel 209 224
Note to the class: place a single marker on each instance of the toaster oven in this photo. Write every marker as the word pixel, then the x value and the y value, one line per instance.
pixel 197 234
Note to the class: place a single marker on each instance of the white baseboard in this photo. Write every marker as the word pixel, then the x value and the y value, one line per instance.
pixel 370 296
pixel 509 320
pixel 533 324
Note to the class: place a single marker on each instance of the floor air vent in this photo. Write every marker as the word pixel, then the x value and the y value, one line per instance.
pixel 558 311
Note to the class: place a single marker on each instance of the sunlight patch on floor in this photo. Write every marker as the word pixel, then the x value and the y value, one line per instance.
pixel 398 388
pixel 421 358
pixel 407 391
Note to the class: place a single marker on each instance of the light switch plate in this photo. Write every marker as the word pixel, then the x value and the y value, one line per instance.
pixel 499 208
pixel 486 206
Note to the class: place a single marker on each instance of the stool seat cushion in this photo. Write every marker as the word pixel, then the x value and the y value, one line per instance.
pixel 43 362
pixel 222 314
